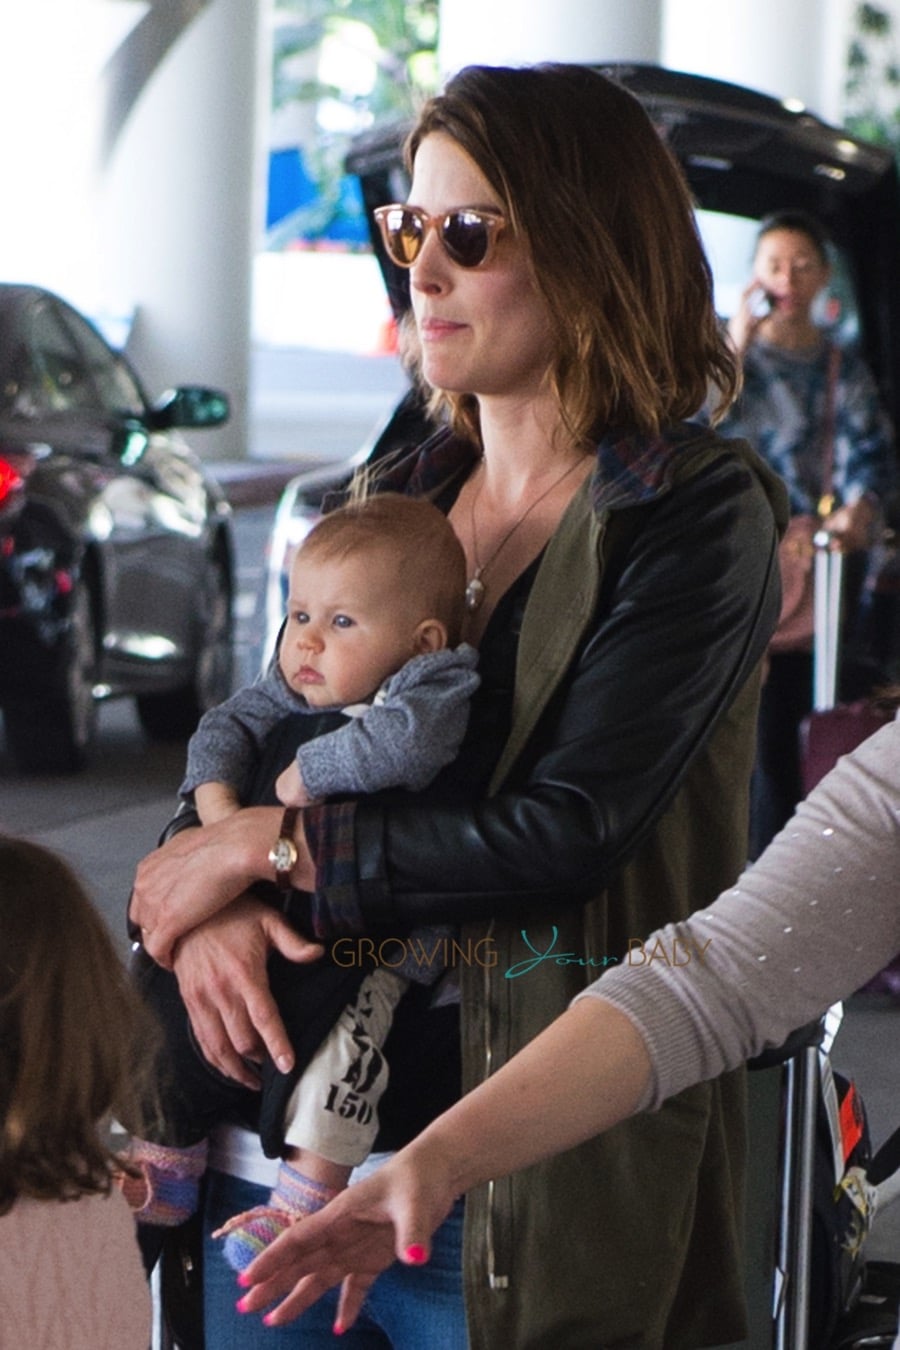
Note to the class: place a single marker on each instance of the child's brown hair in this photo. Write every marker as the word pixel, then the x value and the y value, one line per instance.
pixel 429 557
pixel 70 1027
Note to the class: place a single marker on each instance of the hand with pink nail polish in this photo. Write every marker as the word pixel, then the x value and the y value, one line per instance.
pixel 389 1216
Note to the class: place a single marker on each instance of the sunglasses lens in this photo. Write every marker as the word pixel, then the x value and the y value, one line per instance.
pixel 404 233
pixel 466 237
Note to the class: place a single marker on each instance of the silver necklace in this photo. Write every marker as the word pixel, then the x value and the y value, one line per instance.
pixel 476 588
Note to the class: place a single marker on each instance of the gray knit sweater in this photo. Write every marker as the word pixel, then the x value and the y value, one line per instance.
pixel 413 726
pixel 411 729
pixel 808 924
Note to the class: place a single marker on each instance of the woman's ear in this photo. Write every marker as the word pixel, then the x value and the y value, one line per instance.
pixel 430 636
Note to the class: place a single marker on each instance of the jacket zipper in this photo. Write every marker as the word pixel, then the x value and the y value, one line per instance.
pixel 494 1280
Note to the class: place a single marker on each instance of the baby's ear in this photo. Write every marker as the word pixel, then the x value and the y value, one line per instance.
pixel 430 636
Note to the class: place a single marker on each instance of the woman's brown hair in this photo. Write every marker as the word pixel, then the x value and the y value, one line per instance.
pixel 607 219
pixel 70 1027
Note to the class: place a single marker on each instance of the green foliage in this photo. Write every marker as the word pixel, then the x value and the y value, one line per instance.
pixel 405 33
pixel 402 40
pixel 872 85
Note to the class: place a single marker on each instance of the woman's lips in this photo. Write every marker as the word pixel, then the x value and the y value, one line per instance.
pixel 432 330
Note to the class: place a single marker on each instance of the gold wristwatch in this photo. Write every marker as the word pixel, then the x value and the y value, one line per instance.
pixel 283 854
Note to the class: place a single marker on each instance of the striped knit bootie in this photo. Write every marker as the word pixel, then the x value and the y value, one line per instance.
pixel 294 1196
pixel 166 1193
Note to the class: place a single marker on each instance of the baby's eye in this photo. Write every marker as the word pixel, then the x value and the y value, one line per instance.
pixel 342 621
pixel 298 616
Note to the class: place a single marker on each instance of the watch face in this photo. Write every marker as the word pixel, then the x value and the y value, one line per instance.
pixel 283 855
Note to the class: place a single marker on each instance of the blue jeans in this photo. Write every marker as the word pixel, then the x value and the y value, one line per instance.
pixel 408 1308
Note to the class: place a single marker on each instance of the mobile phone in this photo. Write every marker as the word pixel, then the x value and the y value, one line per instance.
pixel 761 304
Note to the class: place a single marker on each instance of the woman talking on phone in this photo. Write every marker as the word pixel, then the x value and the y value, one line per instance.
pixel 811 408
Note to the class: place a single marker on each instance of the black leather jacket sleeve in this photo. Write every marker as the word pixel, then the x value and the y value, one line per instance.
pixel 677 631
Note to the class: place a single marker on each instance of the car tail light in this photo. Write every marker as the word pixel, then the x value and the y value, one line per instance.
pixel 11 481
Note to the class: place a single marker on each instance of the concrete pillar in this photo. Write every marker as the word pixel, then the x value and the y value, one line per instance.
pixel 178 196
pixel 134 177
pixel 788 48
pixel 519 31
pixel 51 53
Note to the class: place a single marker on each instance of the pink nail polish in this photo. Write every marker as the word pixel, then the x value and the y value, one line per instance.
pixel 338 1328
pixel 241 1305
pixel 244 1280
pixel 269 1320
pixel 415 1253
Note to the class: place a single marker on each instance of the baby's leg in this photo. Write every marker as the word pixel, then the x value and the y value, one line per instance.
pixel 191 1097
pixel 332 1119
pixel 165 1193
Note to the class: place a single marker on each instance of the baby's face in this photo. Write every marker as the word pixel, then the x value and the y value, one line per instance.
pixel 350 625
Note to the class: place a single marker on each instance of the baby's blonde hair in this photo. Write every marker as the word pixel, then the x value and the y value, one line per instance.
pixel 421 540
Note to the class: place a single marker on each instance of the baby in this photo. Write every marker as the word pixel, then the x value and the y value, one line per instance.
pixel 370 657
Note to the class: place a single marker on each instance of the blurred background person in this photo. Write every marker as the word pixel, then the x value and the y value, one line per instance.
pixel 811 408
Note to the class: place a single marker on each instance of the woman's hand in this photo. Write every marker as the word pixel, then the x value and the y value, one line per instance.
pixel 851 527
pixel 221 972
pixel 752 310
pixel 391 1215
pixel 198 872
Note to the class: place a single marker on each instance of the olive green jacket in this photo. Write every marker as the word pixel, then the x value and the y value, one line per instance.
pixel 633 1239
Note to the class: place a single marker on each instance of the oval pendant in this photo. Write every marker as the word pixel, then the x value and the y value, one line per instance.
pixel 474 594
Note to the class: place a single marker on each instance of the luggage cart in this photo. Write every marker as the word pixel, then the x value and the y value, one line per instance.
pixel 868 1295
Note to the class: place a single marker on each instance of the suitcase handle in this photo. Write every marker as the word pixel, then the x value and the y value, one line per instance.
pixel 829 577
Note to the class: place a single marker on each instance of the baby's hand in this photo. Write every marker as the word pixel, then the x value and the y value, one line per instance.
pixel 290 788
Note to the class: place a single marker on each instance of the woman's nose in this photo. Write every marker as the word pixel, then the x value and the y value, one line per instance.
pixel 428 273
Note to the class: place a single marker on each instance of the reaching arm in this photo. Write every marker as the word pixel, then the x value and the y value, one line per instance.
pixel 584 1073
pixel 807 925
pixel 813 919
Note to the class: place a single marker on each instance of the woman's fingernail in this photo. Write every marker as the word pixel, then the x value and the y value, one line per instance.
pixel 269 1320
pixel 244 1279
pixel 241 1305
pixel 285 1063
pixel 338 1328
pixel 415 1253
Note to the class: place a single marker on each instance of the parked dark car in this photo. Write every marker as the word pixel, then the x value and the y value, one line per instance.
pixel 744 154
pixel 116 573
